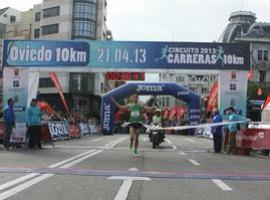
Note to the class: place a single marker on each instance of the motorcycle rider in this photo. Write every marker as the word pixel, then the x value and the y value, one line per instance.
pixel 157 121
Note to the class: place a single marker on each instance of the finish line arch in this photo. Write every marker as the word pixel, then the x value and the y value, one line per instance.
pixel 173 89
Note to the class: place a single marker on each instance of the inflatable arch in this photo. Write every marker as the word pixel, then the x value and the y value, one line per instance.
pixel 173 89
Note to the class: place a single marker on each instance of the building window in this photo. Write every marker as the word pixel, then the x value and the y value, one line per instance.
pixel 262 76
pixel 180 79
pixel 82 83
pixel 205 90
pixel 36 33
pixel 46 83
pixel 50 29
pixel 37 16
pixel 12 18
pixel 260 54
pixel 85 10
pixel 51 12
pixel 265 55
pixel 84 29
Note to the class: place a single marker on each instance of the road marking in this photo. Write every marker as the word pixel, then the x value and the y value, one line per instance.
pixel 18 180
pixel 15 190
pixel 222 185
pixel 189 140
pixel 167 140
pixel 133 169
pixel 182 153
pixel 29 176
pixel 19 188
pixel 80 160
pixel 174 147
pixel 194 162
pixel 126 185
pixel 69 159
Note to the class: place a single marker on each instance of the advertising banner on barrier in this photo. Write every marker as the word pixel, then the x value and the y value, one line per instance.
pixel 18 134
pixel 84 129
pixel 126 55
pixel 255 138
pixel 74 131
pixel 1 131
pixel 59 130
pixel 233 91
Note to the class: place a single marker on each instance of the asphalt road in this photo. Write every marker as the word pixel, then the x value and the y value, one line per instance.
pixel 103 168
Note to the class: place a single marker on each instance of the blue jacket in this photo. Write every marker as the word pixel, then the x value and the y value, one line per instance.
pixel 234 118
pixel 33 116
pixel 9 116
pixel 217 129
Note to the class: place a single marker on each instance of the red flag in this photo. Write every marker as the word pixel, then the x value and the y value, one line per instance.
pixel 266 103
pixel 180 112
pixel 213 97
pixel 165 112
pixel 44 106
pixel 59 89
pixel 172 113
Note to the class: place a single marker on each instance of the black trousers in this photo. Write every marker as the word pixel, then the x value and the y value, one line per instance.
pixel 34 133
pixel 217 137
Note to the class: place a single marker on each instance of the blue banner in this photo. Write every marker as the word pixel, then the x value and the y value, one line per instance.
pixel 126 55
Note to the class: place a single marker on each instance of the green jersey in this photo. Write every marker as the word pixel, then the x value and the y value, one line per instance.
pixel 135 113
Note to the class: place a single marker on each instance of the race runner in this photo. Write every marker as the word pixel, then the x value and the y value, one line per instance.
pixel 135 120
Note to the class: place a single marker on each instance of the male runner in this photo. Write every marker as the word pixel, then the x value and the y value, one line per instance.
pixel 135 120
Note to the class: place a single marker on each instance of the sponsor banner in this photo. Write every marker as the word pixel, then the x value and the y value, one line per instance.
pixel 21 85
pixel 126 55
pixel 59 130
pixel 74 131
pixel 18 134
pixel 255 138
pixel 15 85
pixel 233 91
pixel 84 129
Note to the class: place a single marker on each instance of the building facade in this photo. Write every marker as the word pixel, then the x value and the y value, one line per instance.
pixel 244 28
pixel 67 20
pixel 200 84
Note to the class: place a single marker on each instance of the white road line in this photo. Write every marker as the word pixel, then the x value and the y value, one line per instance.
pixel 19 188
pixel 80 160
pixel 124 190
pixel 32 175
pixel 15 190
pixel 222 185
pixel 182 153
pixel 18 180
pixel 69 159
pixel 126 185
pixel 194 162
pixel 167 140
pixel 189 140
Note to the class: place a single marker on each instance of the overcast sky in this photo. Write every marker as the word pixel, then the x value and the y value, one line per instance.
pixel 171 20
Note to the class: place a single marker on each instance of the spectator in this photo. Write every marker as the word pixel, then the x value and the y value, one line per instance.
pixel 217 132
pixel 9 122
pixel 33 117
pixel 232 117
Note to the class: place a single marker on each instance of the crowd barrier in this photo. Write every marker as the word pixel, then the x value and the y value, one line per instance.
pixel 53 131
pixel 253 138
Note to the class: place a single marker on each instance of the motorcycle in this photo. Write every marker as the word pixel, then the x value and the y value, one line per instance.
pixel 156 136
